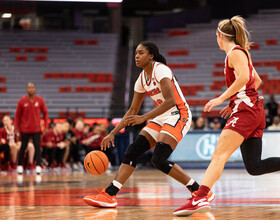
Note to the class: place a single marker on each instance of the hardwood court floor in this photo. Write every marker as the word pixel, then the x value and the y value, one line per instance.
pixel 148 195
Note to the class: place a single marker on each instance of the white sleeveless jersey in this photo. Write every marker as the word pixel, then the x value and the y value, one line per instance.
pixel 153 88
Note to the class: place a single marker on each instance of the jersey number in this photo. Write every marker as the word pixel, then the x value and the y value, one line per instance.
pixel 158 102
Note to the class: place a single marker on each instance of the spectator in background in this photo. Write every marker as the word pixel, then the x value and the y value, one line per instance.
pixel 12 138
pixel 17 25
pixel 75 148
pixel 55 145
pixel 69 138
pixel 200 124
pixel 9 137
pixel 4 146
pixel 276 124
pixel 268 120
pixel 216 124
pixel 272 107
pixel 87 129
pixel 27 122
pixel 30 150
pixel 192 125
pixel 94 139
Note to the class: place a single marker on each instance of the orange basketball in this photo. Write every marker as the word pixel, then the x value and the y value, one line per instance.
pixel 96 162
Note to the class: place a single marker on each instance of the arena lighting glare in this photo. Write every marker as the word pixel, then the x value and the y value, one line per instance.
pixel 6 15
pixel 109 1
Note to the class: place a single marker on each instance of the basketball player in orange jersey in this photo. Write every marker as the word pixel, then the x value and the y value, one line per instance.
pixel 247 118
pixel 170 122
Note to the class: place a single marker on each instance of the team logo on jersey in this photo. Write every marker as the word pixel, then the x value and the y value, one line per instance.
pixel 232 122
pixel 36 104
pixel 154 92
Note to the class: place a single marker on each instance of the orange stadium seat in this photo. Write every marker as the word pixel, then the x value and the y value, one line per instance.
pixel 42 50
pixel 3 89
pixel 192 89
pixel 72 114
pixel 271 42
pixel 255 46
pixel 182 65
pixel 41 58
pixel 218 73
pixel 218 64
pixel 92 42
pixel 65 89
pixel 178 53
pixel 15 50
pixel 2 79
pixel 93 77
pixel 257 63
pixel 217 85
pixel 21 58
pixel 178 32
pixel 80 42
pixel 30 50
pixel 93 89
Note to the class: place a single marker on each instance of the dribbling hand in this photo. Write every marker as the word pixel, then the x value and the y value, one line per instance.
pixel 107 141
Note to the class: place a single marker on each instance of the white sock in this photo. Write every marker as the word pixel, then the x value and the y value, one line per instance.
pixel 191 182
pixel 117 184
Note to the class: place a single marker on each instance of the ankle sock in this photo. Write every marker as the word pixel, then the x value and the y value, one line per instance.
pixel 113 188
pixel 203 191
pixel 192 185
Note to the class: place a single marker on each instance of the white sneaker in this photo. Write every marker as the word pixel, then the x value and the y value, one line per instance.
pixel 38 170
pixel 80 166
pixel 75 166
pixel 19 179
pixel 38 178
pixel 19 169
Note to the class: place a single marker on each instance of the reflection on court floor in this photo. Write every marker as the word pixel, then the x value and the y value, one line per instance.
pixel 148 194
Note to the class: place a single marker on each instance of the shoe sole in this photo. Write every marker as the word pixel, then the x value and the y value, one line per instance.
pixel 190 212
pixel 95 203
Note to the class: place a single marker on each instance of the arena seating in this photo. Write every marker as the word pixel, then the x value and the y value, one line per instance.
pixel 73 71
pixel 207 61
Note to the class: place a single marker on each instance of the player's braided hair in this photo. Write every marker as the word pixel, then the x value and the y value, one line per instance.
pixel 153 49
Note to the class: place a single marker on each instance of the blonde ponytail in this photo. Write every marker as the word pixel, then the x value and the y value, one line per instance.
pixel 235 30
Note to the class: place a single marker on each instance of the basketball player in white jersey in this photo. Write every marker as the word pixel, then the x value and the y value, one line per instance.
pixel 170 121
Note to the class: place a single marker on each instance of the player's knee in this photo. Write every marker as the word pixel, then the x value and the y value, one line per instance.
pixel 253 170
pixel 135 150
pixel 160 156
